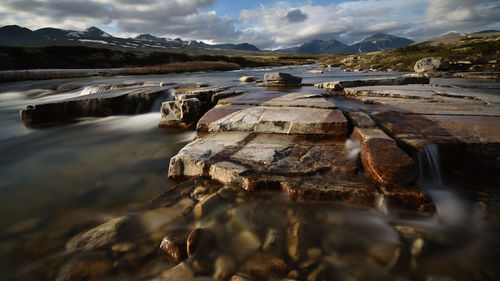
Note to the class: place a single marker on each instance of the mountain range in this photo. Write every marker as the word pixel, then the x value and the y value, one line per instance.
pixel 13 35
pixel 377 42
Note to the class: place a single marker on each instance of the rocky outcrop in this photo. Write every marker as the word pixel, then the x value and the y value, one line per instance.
pixel 188 106
pixel 98 102
pixel 293 142
pixel 403 80
pixel 280 80
pixel 429 64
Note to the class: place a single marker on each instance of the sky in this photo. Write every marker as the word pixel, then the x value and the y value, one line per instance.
pixel 266 24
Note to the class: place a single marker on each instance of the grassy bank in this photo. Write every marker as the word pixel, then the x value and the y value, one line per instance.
pixel 77 57
pixel 480 52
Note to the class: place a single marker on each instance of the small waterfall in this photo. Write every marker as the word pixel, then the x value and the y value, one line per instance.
pixel 167 96
pixel 429 166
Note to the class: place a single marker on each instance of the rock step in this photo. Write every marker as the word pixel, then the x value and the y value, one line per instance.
pixel 383 159
pixel 279 120
pixel 101 104
pixel 402 80
pixel 303 167
pixel 281 99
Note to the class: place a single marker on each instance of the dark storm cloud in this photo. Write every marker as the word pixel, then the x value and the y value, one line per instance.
pixel 296 16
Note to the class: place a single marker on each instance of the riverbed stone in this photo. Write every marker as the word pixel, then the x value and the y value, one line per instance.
pixel 174 245
pixel 182 271
pixel 383 159
pixel 429 64
pixel 102 236
pixel 248 79
pixel 279 79
pixel 199 240
pixel 207 204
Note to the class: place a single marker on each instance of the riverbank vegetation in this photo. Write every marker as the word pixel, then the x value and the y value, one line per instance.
pixel 75 59
pixel 479 53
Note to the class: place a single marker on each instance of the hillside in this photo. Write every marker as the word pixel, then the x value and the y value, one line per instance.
pixel 14 35
pixel 372 43
pixel 469 54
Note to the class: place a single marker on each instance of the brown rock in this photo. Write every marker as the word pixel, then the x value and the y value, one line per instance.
pixel 248 79
pixel 199 240
pixel 180 271
pixel 175 246
pixel 265 266
pixel 383 159
pixel 206 204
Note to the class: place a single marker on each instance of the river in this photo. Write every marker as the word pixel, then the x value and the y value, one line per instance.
pixel 59 181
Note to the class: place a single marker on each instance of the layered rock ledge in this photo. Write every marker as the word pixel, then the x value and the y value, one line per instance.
pixel 99 101
pixel 296 142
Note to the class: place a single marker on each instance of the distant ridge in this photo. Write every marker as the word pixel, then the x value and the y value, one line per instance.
pixel 377 42
pixel 14 35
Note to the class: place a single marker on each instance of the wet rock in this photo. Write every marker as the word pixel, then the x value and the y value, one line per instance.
pixel 383 159
pixel 104 235
pixel 228 173
pixel 240 277
pixel 185 110
pixel 300 237
pixel 279 79
pixel 86 266
pixel 245 243
pixel 319 273
pixel 111 102
pixel 199 240
pixel 180 271
pixel 384 253
pixel 192 160
pixel 361 120
pixel 429 64
pixel 175 246
pixel 265 266
pixel 225 267
pixel 227 193
pixel 26 225
pixel 274 241
pixel 284 120
pixel 402 80
pixel 224 95
pixel 156 218
pixel 248 79
pixel 408 197
pixel 206 205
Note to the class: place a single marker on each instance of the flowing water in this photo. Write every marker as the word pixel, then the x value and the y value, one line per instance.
pixel 59 181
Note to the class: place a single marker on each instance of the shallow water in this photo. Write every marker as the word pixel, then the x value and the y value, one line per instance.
pixel 59 181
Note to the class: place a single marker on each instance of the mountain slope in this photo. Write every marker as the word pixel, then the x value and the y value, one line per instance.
pixel 14 35
pixel 379 42
pixel 373 43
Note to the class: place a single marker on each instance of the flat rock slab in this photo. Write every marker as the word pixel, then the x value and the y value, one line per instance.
pixel 101 103
pixel 280 120
pixel 304 167
pixel 427 92
pixel 421 129
pixel 339 85
pixel 280 99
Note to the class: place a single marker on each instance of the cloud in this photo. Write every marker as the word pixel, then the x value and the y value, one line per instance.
pixel 282 24
pixel 296 16
pixel 159 17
